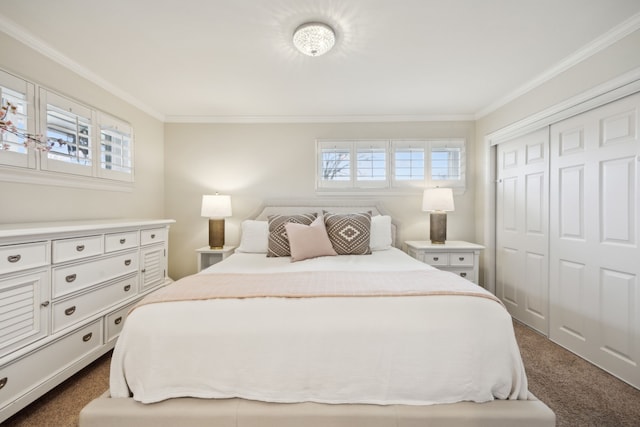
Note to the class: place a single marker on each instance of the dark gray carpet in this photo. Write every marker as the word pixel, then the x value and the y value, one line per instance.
pixel 579 393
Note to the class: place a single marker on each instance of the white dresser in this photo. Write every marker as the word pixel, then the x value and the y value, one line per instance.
pixel 65 291
pixel 462 258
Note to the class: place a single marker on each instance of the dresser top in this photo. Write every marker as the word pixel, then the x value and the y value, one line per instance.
pixel 448 245
pixel 60 227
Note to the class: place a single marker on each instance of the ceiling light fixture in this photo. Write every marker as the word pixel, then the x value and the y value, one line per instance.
pixel 314 38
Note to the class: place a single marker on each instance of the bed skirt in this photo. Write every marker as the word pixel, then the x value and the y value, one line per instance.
pixel 106 411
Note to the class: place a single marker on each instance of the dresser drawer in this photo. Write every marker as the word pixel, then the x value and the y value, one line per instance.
pixel 436 258
pixel 71 278
pixel 23 256
pixel 72 310
pixel 120 241
pixel 21 376
pixel 153 235
pixel 461 259
pixel 73 249
pixel 115 321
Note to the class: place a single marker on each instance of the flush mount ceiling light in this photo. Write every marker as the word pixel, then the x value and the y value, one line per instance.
pixel 314 38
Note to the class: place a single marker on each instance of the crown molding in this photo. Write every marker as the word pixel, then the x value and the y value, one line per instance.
pixel 605 40
pixel 25 37
pixel 320 119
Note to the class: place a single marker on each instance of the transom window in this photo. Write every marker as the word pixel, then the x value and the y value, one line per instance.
pixel 80 140
pixel 390 164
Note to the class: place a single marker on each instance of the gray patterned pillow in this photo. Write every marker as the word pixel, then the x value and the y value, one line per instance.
pixel 349 233
pixel 278 244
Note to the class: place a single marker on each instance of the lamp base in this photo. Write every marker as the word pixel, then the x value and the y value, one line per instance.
pixel 216 233
pixel 438 227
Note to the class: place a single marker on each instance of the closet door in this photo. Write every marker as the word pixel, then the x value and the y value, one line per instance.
pixel 594 252
pixel 522 228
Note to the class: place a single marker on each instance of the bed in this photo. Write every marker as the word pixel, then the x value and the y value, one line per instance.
pixel 360 337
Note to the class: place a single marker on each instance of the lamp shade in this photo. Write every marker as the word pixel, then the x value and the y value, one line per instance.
pixel 438 199
pixel 216 206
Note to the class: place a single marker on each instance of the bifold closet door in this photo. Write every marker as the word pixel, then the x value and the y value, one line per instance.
pixel 594 253
pixel 522 228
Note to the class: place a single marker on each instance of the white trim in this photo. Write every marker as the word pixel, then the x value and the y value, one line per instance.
pixel 38 177
pixel 602 42
pixel 320 119
pixel 23 36
pixel 610 91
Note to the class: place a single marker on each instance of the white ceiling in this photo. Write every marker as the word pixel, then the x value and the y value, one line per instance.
pixel 232 60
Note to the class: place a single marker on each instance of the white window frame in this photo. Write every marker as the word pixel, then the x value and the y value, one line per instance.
pixel 27 158
pixel 36 167
pixel 390 184
pixel 110 124
pixel 47 159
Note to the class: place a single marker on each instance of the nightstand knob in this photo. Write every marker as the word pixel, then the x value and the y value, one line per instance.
pixel 435 258
pixel 461 258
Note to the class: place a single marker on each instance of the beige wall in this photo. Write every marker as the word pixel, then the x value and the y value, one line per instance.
pixel 28 203
pixel 612 62
pixel 257 162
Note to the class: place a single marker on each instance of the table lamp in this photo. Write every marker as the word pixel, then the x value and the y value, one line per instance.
pixel 438 201
pixel 216 208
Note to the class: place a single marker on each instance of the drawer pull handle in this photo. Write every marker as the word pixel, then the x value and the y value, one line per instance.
pixel 80 248
pixel 45 304
pixel 70 278
pixel 153 236
pixel 463 274
pixel 435 258
pixel 461 258
pixel 69 311
pixel 127 288
pixel 127 262
pixel 14 258
pixel 3 382
pixel 87 337
pixel 122 241
pixel 118 320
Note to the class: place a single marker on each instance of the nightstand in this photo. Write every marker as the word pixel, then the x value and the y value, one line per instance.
pixel 207 256
pixel 459 257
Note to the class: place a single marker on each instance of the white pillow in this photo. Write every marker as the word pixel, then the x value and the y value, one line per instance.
pixel 380 233
pixel 255 237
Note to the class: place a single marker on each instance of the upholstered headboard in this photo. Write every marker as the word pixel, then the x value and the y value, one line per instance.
pixel 298 206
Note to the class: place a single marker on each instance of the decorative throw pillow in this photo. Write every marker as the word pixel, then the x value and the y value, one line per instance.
pixel 278 244
pixel 255 237
pixel 380 233
pixel 309 241
pixel 349 233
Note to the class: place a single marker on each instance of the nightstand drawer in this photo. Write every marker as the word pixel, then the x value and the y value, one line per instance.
pixel 467 273
pixel 461 259
pixel 436 258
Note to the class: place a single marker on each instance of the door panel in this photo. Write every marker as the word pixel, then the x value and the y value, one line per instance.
pixel 522 224
pixel 594 253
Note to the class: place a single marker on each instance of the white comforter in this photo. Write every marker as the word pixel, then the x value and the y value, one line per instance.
pixel 380 350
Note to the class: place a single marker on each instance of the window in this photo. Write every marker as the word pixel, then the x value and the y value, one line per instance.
pixel 116 154
pixel 19 93
pixel 352 164
pixel 391 164
pixel 84 147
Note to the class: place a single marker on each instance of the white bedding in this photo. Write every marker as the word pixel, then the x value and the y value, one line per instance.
pixel 381 350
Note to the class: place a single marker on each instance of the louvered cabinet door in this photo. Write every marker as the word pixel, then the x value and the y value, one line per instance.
pixel 24 310
pixel 152 267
